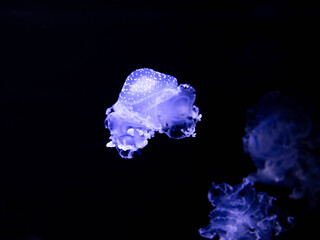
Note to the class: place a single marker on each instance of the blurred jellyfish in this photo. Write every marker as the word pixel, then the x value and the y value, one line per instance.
pixel 150 102
pixel 242 213
pixel 278 139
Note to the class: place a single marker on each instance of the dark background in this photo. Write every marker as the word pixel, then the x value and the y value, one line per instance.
pixel 64 64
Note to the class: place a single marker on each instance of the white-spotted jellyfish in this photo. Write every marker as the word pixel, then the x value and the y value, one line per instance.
pixel 150 102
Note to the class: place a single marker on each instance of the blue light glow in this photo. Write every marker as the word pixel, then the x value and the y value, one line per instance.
pixel 242 213
pixel 150 102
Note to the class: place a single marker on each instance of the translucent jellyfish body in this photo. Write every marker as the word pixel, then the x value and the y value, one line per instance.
pixel 150 102
pixel 277 133
pixel 242 213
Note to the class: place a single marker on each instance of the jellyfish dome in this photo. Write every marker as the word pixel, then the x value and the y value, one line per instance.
pixel 150 102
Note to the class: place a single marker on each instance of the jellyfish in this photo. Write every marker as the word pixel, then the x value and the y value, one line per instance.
pixel 240 212
pixel 150 102
pixel 283 143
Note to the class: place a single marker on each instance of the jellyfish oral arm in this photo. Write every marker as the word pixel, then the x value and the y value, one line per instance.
pixel 242 213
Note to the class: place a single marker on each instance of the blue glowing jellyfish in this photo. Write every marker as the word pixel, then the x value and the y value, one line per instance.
pixel 242 213
pixel 150 102
pixel 281 141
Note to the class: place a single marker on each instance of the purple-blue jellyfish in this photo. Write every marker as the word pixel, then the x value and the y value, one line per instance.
pixel 240 213
pixel 150 102
pixel 279 140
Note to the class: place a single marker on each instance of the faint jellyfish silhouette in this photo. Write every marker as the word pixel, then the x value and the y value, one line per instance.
pixel 282 142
